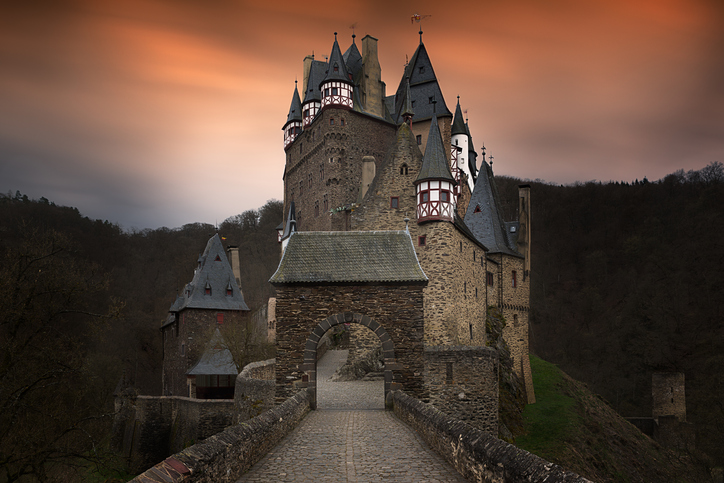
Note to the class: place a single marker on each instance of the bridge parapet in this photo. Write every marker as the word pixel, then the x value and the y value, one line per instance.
pixel 225 456
pixel 475 454
pixel 255 387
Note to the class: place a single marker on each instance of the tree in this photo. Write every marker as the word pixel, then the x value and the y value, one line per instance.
pixel 55 393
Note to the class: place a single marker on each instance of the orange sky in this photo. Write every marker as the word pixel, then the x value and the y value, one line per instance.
pixel 165 112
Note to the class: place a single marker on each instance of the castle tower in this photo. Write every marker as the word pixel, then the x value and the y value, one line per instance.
pixel 313 76
pixel 337 86
pixel 435 184
pixel 293 127
pixel 459 143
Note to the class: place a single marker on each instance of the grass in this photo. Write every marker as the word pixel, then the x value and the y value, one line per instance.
pixel 551 420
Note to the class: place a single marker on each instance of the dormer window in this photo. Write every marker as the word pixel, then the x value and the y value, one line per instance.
pixel 336 67
pixel 229 290
pixel 477 209
pixel 421 69
pixel 217 259
pixel 430 99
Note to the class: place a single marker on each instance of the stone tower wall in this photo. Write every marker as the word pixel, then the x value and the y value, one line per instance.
pixel 668 395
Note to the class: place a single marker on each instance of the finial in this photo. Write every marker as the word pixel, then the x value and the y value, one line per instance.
pixel 420 35
pixel 458 99
pixel 406 220
pixel 335 36
pixel 491 161
pixel 353 37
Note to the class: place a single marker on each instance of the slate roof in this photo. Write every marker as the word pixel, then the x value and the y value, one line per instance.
pixel 472 154
pixel 336 59
pixel 295 109
pixel 215 272
pixel 353 60
pixel 434 162
pixel 291 224
pixel 458 124
pixel 423 87
pixel 216 360
pixel 487 223
pixel 349 256
pixel 316 74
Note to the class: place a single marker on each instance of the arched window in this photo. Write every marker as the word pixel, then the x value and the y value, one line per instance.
pixel 403 169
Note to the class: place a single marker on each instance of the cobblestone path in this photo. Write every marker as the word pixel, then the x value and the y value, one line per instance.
pixel 351 438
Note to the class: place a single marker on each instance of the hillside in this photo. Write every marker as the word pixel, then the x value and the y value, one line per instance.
pixel 571 426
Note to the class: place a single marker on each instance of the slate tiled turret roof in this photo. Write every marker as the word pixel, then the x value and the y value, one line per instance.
pixel 295 109
pixel 216 360
pixel 483 215
pixel 213 272
pixel 349 256
pixel 353 60
pixel 434 162
pixel 472 155
pixel 458 124
pixel 336 60
pixel 423 88
pixel 316 73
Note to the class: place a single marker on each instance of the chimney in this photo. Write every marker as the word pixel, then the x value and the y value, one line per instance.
pixel 371 84
pixel 305 74
pixel 524 226
pixel 233 254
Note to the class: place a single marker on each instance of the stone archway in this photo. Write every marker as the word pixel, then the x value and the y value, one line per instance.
pixel 310 349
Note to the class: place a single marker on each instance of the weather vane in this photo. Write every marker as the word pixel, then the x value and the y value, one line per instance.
pixel 417 18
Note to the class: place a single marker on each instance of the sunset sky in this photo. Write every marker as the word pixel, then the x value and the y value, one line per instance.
pixel 165 112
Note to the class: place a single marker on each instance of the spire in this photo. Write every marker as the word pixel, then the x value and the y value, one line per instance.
pixel 420 35
pixel 458 124
pixel 295 110
pixel 336 67
pixel 353 60
pixel 291 225
pixel 434 162
pixel 316 74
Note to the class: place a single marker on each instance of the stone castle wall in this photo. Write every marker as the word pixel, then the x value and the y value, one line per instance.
pixel 668 395
pixel 192 330
pixel 301 308
pixel 326 160
pixel 463 382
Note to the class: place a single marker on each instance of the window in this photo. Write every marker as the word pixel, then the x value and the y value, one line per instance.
pixel 331 121
pixel 421 69
pixel 421 240
pixel 306 113
pixel 430 99
pixel 403 169
pixel 229 292
pixel 445 196
pixel 291 194
pixel 477 209
pixel 341 122
pixel 461 247
pixel 217 259
pixel 321 172
pixel 489 278
pixel 395 202
pixel 413 104
pixel 419 139
pixel 326 92
pixel 309 178
pixel 207 289
pixel 336 67
pixel 425 196
pixel 476 292
pixel 334 91
pixel 471 331
pixel 316 208
pixel 326 204
pixel 473 255
pixel 465 288
pixel 515 279
pixel 220 318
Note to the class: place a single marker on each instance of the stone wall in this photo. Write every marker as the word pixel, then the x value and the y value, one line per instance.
pixel 306 312
pixel 463 382
pixel 148 428
pixel 668 395
pixel 225 456
pixel 475 454
pixel 254 391
pixel 326 161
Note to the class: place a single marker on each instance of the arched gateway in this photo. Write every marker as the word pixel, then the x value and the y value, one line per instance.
pixel 370 278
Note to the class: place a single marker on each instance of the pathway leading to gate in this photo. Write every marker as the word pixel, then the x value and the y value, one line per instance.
pixel 351 438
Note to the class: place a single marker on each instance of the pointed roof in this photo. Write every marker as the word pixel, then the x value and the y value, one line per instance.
pixel 483 215
pixel 336 67
pixel 214 272
pixel 291 225
pixel 316 73
pixel 423 87
pixel 458 124
pixel 434 162
pixel 216 359
pixel 472 154
pixel 295 110
pixel 349 256
pixel 353 59
pixel 407 109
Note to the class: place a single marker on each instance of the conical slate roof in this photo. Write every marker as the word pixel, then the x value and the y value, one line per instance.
pixel 336 67
pixel 295 110
pixel 424 88
pixel 213 272
pixel 434 162
pixel 216 359
pixel 458 124
pixel 472 155
pixel 483 214
pixel 316 73
pixel 353 60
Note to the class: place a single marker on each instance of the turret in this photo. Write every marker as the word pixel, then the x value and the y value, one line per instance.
pixel 337 87
pixel 293 126
pixel 472 156
pixel 312 97
pixel 435 185
pixel 460 142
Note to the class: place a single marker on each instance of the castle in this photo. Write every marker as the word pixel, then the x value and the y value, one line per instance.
pixel 358 160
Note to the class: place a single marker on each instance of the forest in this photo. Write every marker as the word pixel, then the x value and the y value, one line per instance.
pixel 626 281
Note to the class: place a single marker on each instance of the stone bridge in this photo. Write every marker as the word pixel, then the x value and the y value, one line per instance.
pixel 353 437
